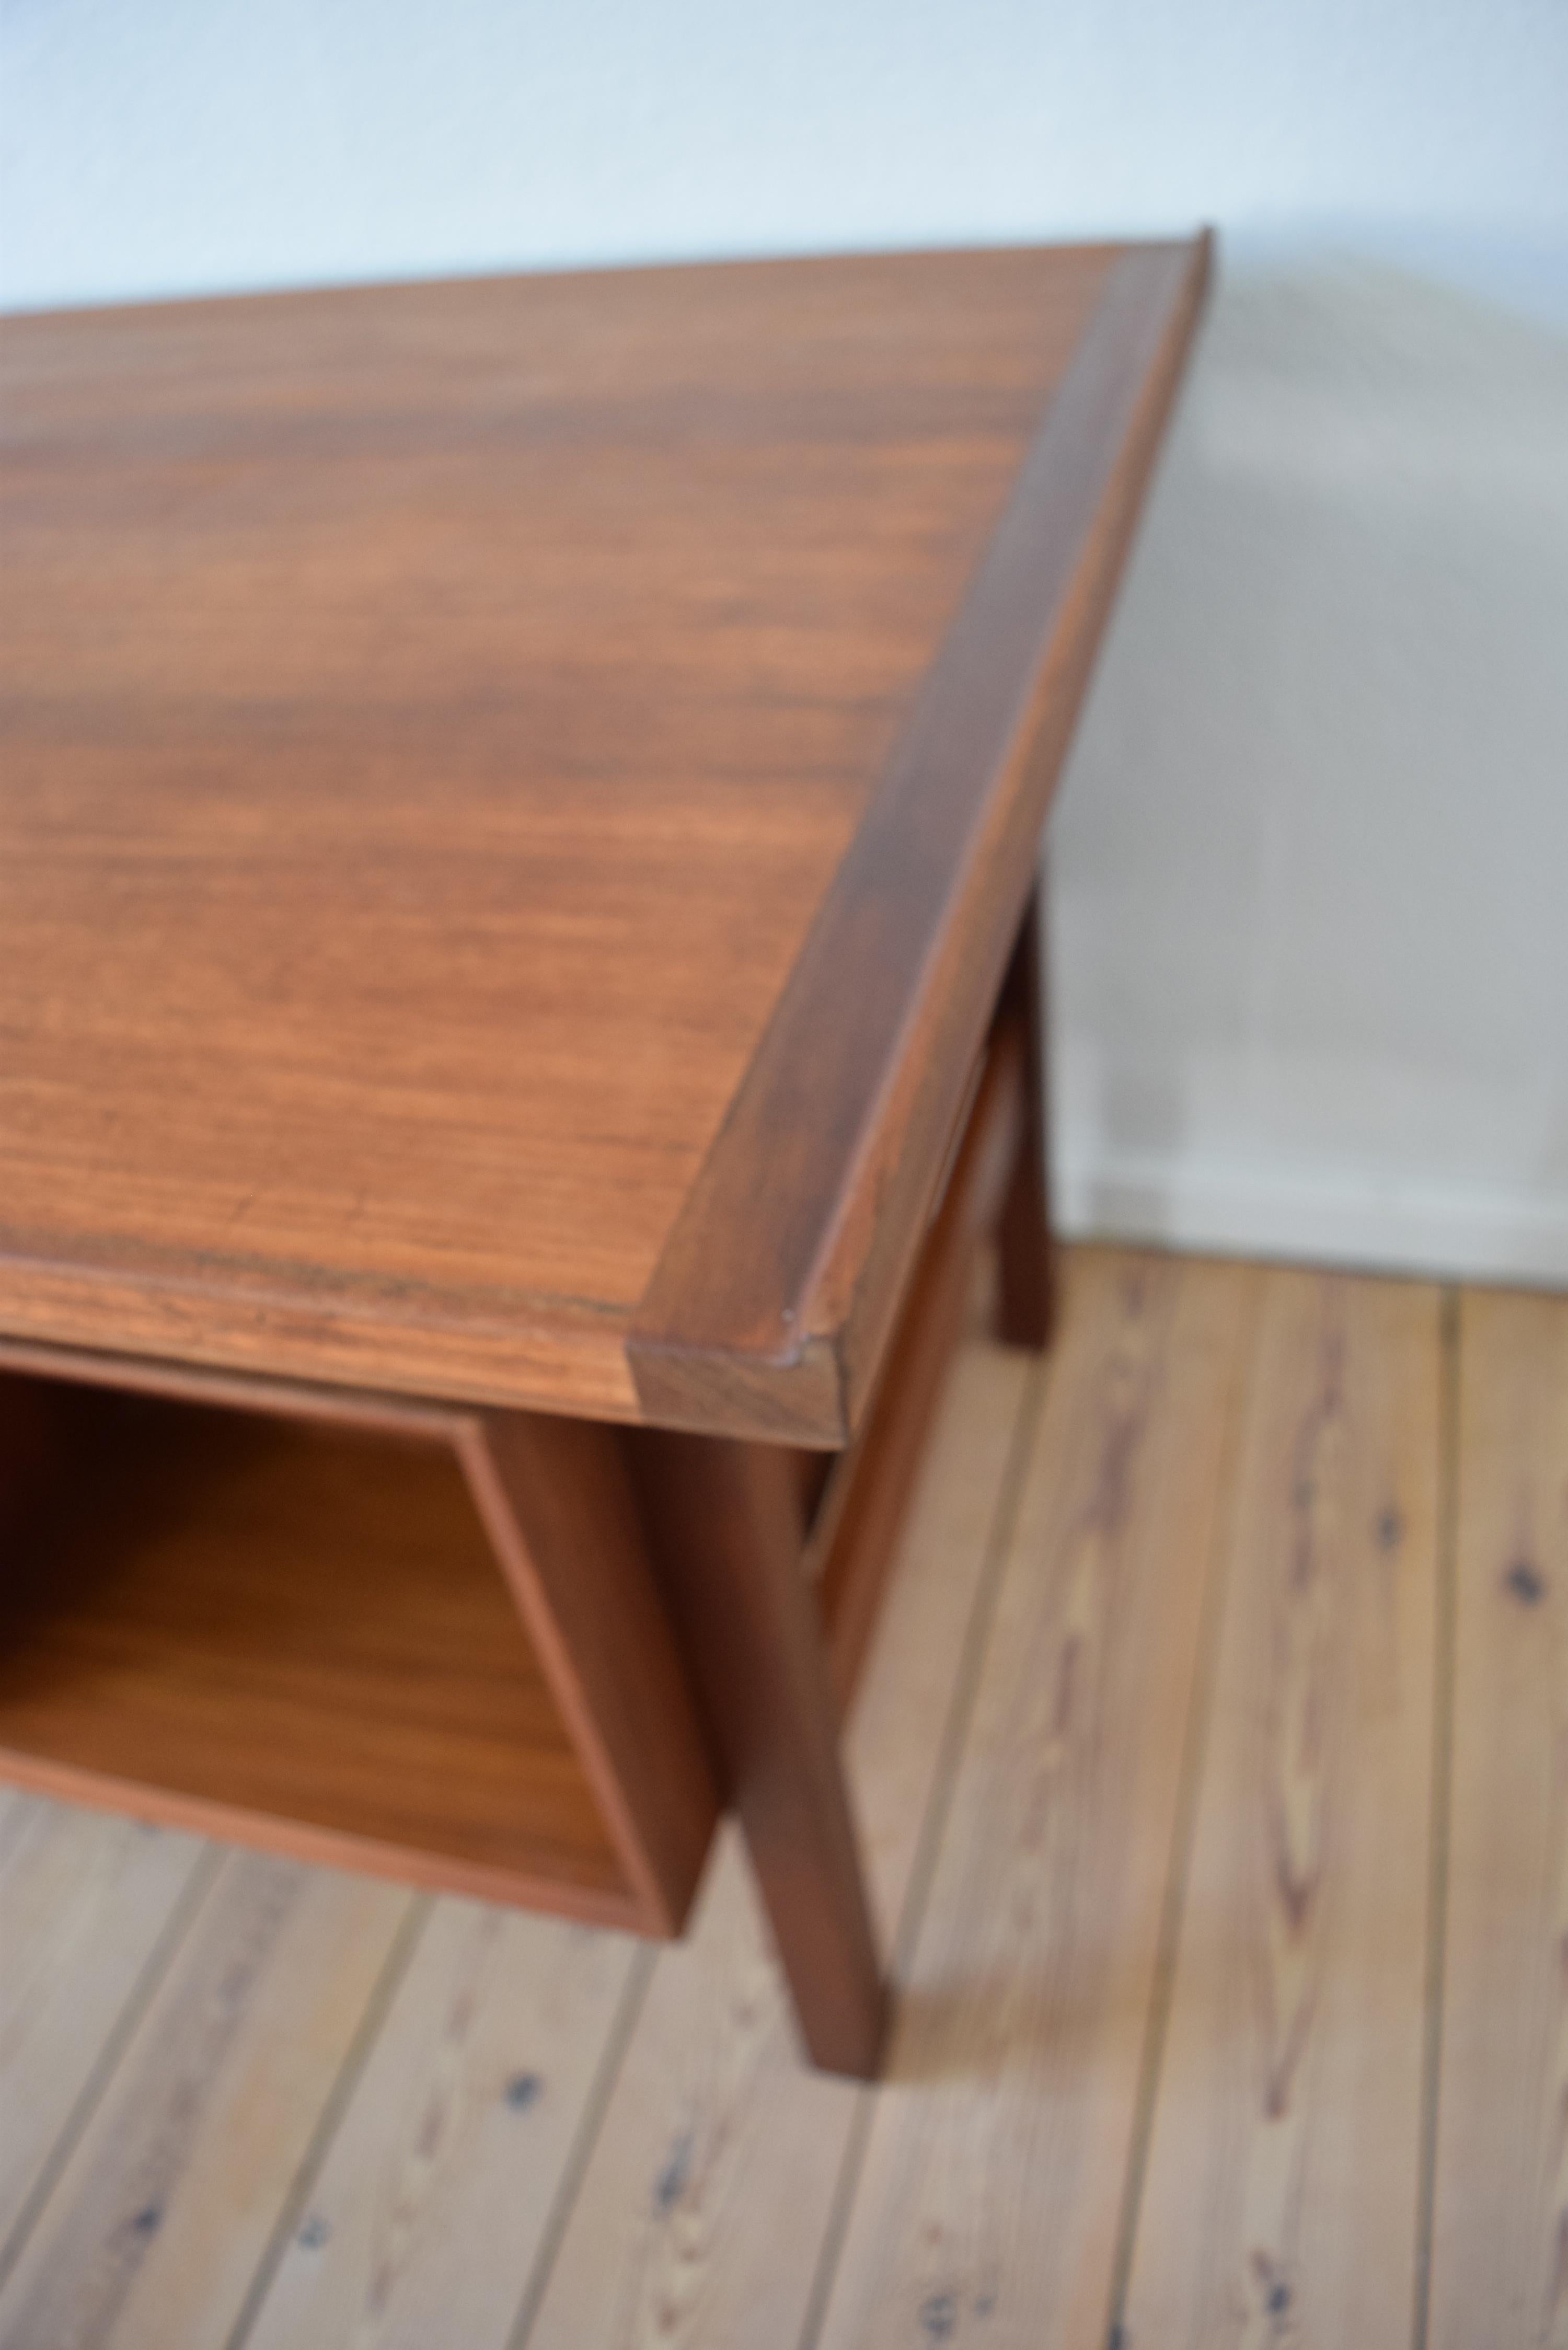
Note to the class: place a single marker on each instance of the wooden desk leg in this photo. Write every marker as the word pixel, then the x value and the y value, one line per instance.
pixel 1025 1246
pixel 725 1523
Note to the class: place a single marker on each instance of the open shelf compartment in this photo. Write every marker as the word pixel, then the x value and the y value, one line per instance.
pixel 285 1632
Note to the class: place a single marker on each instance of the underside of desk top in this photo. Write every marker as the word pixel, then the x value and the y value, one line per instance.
pixel 516 795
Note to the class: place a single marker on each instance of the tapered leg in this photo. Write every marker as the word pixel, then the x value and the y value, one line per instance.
pixel 1026 1249
pixel 725 1523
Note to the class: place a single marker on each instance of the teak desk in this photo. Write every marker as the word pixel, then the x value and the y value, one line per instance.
pixel 519 959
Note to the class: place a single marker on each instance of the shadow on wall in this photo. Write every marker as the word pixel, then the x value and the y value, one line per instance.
pixel 1311 862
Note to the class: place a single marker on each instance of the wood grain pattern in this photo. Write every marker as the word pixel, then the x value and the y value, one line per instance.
pixel 775 1293
pixel 1281 2201
pixel 298 1636
pixel 427 2218
pixel 700 2217
pixel 431 718
pixel 159 2219
pixel 84 1904
pixel 987 2206
pixel 1499 2243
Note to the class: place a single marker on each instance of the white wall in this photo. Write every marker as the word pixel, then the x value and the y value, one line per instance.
pixel 1312 862
pixel 1314 853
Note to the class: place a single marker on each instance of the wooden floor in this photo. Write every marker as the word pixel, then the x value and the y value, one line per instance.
pixel 1212 1765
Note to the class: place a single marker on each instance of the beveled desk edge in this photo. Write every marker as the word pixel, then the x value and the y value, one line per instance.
pixel 772 1303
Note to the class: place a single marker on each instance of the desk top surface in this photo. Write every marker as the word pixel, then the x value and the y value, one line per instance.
pixel 440 724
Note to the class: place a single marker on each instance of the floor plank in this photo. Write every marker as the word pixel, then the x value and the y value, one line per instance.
pixel 87 1902
pixel 1499 2253
pixel 158 2221
pixel 713 2182
pixel 1281 2193
pixel 427 2218
pixel 987 2206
